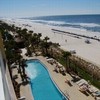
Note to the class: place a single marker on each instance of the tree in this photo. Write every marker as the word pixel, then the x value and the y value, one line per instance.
pixel 13 27
pixel 29 53
pixel 22 33
pixel 34 41
pixel 30 32
pixel 23 74
pixel 39 36
pixel 66 55
pixel 45 45
pixel 46 39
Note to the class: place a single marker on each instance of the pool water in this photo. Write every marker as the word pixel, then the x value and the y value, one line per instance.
pixel 43 88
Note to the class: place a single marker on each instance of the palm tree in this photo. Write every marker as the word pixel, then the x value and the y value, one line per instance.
pixel 23 65
pixel 46 39
pixel 35 34
pixel 22 33
pixel 34 41
pixel 66 55
pixel 45 44
pixel 30 31
pixel 28 38
pixel 13 27
pixel 29 53
pixel 39 36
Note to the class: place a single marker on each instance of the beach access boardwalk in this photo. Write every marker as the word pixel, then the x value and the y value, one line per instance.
pixel 71 91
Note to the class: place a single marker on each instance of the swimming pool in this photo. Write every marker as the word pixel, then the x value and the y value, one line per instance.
pixel 42 86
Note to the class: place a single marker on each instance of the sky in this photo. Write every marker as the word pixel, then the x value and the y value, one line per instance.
pixel 30 8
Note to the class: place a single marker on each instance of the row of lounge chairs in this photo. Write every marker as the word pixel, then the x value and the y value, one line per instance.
pixel 58 67
pixel 85 87
pixel 60 70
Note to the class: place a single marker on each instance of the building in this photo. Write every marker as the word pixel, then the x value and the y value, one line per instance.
pixel 6 87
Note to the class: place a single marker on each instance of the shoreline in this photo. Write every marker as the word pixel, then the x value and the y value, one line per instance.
pixel 84 50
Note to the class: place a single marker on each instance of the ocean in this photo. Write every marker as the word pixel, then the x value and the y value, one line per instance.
pixel 87 22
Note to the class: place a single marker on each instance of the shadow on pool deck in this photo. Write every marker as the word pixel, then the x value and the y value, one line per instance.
pixel 84 92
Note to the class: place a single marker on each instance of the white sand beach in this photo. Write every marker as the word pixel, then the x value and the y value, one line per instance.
pixel 90 52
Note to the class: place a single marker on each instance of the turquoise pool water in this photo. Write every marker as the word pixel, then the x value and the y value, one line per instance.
pixel 43 88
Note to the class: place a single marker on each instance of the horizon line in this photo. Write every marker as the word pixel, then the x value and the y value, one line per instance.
pixel 50 15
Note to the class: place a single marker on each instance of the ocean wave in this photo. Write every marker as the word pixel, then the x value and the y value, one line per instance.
pixel 49 22
pixel 87 26
pixel 65 23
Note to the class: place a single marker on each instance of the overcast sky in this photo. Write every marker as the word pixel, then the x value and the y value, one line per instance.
pixel 30 8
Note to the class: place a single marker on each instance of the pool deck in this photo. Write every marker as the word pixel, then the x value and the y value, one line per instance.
pixel 25 90
pixel 72 91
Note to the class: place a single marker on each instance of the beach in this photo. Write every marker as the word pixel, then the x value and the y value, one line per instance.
pixel 90 52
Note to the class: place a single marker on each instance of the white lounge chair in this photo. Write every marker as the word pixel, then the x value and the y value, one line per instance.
pixel 97 98
pixel 96 94
pixel 82 81
pixel 22 98
pixel 83 88
pixel 92 89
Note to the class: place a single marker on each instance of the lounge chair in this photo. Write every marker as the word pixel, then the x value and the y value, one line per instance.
pixel 83 87
pixel 96 94
pixel 84 90
pixel 56 69
pixel 92 89
pixel 82 81
pixel 47 57
pixel 75 78
pixel 97 98
pixel 62 71
pixel 22 98
pixel 50 60
pixel 59 65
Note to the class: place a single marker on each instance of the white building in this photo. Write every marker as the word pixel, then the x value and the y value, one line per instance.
pixel 6 88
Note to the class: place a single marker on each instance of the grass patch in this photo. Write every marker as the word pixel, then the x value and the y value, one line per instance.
pixel 81 72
